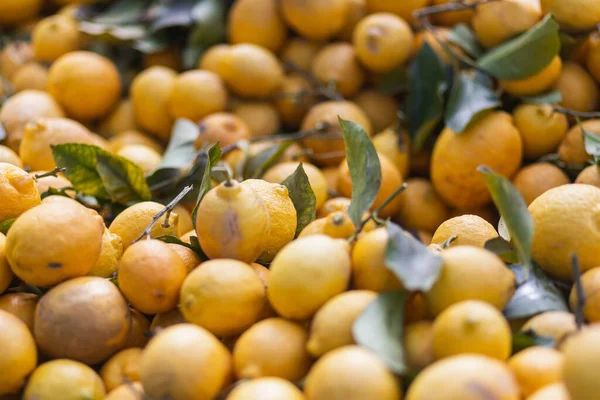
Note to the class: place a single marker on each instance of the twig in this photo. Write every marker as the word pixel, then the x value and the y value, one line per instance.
pixel 573 113
pixel 325 91
pixel 54 173
pixel 167 210
pixel 374 215
pixel 579 290
pixel 448 241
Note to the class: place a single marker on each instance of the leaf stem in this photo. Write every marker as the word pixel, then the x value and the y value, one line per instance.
pixel 165 211
pixel 374 215
pixel 579 290
pixel 577 114
pixel 449 241
pixel 54 173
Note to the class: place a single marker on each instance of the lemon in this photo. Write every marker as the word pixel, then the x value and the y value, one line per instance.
pixel 536 84
pixel 14 12
pixel 337 225
pixel 18 192
pixel 577 15
pixel 127 391
pixel 577 88
pixel 300 52
pixel 318 184
pixel 266 389
pixel 260 116
pixel 396 147
pixel 556 391
pixel 56 182
pixel 572 147
pixel 314 19
pixel 589 176
pixel 21 305
pixel 120 119
pixel 19 353
pixel 536 367
pixel 337 64
pixel 470 230
pixel 54 36
pixel 591 287
pixel 122 368
pixel 498 22
pixel 581 353
pixel 31 76
pixel 541 128
pixel 403 9
pixel 225 128
pixel 110 254
pixel 418 344
pixel 258 22
pixel 138 333
pixel 556 325
pixel 8 156
pixel 537 178
pixel 422 209
pixel 143 156
pixel 196 94
pixel 381 109
pixel 128 137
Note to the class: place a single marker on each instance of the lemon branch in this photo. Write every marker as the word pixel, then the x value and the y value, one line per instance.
pixel 54 173
pixel 326 91
pixel 573 113
pixel 579 290
pixel 165 211
pixel 374 215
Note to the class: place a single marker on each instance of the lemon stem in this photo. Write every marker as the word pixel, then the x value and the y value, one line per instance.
pixel 54 173
pixel 165 211
pixel 579 290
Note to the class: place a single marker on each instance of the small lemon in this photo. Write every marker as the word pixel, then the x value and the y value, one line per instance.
pixel 19 356
pixel 536 367
pixel 470 230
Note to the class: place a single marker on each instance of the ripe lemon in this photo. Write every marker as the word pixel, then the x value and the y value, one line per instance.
pixel 496 23
pixel 536 367
pixel 383 41
pixel 589 176
pixel 351 373
pixel 591 288
pixel 572 148
pixel 185 362
pixel 166 319
pixel 577 88
pixel 314 19
pixel 272 347
pixel 223 296
pixel 170 57
pixel 140 327
pixel 330 151
pixel 282 215
pixel 581 353
pixel 451 18
pixel 556 391
pixel 84 75
pixel 130 223
pixel 257 22
pixel 188 256
pixel 403 9
pixel 294 99
pixel 31 76
pixel 14 12
pixel 470 230
pixel 536 84
pixel 21 305
pixel 150 276
pixel 333 205
pixel 337 225
pixel 564 220
pixel 40 246
pixel 492 140
pixel 592 61
pixel 125 138
pixel 64 380
pixel 577 15
pixel 85 319
pixel 196 94
pixel 222 127
pixel 127 391
pixel 212 58
pixel 331 326
pixel 468 376
pixel 18 192
pixel 337 64
pixel 122 368
pixel 471 273
pixel 418 344
pixel 300 52
pixel 381 109
pixel 261 117
pixel 8 156
pixel 54 36
pixel 19 353
pixel 422 209
pixel 251 71
pixel 396 147
pixel 471 327
pixel 306 273
pixel 141 155
pixel 556 325
pixel 13 56
pixel 121 119
pixel 357 10
pixel 266 389
pixel 232 222
pixel 110 254
pixel 369 271
pixel 280 172
pixel 541 128
pixel 536 179
pixel 150 93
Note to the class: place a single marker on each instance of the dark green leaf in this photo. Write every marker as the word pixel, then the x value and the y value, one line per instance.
pixel 124 181
pixel 464 37
pixel 537 294
pixel 122 12
pixel 591 141
pixel 513 210
pixel 569 44
pixel 427 87
pixel 471 95
pixel 194 247
pixel 257 165
pixel 410 260
pixel 302 196
pixel 364 167
pixel 502 249
pixel 381 327
pixel 553 97
pixel 5 225
pixel 214 155
pixel 64 192
pixel 80 163
pixel 171 14
pixel 195 243
pixel 210 25
pixel 524 340
pixel 394 81
pixel 525 55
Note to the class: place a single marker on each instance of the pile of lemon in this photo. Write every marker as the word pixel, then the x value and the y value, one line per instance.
pixel 93 308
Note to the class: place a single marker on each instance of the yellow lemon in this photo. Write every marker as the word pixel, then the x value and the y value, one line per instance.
pixel 536 367
pixel 19 353
pixel 18 192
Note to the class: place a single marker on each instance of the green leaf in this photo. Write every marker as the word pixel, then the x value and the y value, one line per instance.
pixel 591 141
pixel 410 260
pixel 124 181
pixel 427 87
pixel 464 37
pixel 210 25
pixel 553 97
pixel 380 328
pixel 56 192
pixel 364 167
pixel 502 249
pixel 471 96
pixel 513 210
pixel 537 294
pixel 302 196
pixel 171 14
pixel 80 163
pixel 5 225
pixel 194 247
pixel 257 165
pixel 394 81
pixel 525 55
pixel 524 340
pixel 213 157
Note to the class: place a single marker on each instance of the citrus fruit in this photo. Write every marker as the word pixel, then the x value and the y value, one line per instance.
pixel 123 367
pixel 418 344
pixel 536 179
pixel 381 109
pixel 451 18
pixel 141 155
pixel 56 182
pixel 54 36
pixel 581 353
pixel 592 61
pixel 21 305
pixel 556 391
pixel 138 333
pixel 294 99
pixel 556 325
pixel 591 288
pixel 281 171
pixel 18 192
pixel 498 22
pixel 258 22
pixel 333 205
pixel 396 147
pixel 31 76
pixel 357 10
pixel 14 12
pixel 536 367
pixel 110 254
pixel 222 127
pixel 337 225
pixel 126 138
pixel 188 256
pixel 535 84
pixel 578 15
pixel 577 88
pixel 572 147
pixel 469 230
pixel 213 57
pixel 8 156
pixel 314 19
pixel 19 353
pixel 261 117
pixel 589 176
pixel 300 52
pixel 541 128
pixel 266 389
pixel 127 391
pixel 120 119
pixel 336 64
pixel 422 208
pixel 196 94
